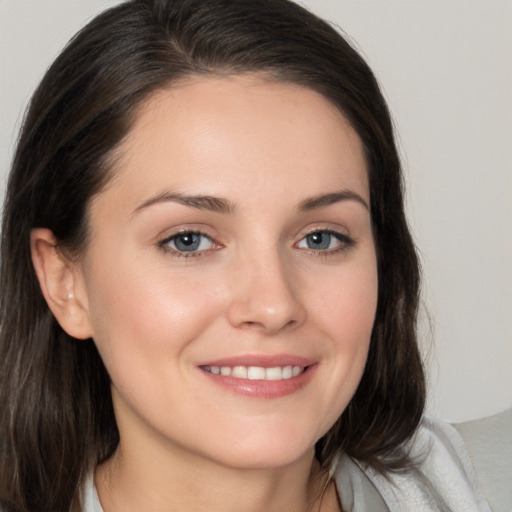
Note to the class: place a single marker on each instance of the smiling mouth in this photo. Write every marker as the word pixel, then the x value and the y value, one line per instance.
pixel 256 372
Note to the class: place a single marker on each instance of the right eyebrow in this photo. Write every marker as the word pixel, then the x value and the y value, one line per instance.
pixel 201 202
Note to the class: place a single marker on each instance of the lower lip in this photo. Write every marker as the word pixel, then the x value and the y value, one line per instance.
pixel 263 388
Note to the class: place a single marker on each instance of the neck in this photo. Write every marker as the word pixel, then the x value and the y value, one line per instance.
pixel 188 484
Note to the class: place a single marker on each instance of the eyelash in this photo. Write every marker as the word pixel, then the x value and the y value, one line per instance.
pixel 345 243
pixel 164 244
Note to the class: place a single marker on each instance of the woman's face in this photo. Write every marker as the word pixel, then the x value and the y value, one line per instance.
pixel 230 282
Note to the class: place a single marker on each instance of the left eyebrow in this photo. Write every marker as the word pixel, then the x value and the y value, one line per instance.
pixel 323 200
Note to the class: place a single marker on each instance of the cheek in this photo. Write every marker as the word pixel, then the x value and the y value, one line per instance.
pixel 142 313
pixel 345 312
pixel 347 304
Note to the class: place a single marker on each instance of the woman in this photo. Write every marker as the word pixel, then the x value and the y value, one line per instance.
pixel 209 286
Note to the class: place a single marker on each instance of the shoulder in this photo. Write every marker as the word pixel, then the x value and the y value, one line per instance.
pixel 489 443
pixel 445 466
pixel 89 498
pixel 441 479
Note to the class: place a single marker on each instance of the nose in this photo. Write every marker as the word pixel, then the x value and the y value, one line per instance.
pixel 265 295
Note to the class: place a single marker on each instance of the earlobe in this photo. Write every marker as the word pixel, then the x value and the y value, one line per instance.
pixel 60 284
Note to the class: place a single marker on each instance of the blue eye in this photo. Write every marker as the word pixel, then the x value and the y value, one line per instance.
pixel 325 240
pixel 188 242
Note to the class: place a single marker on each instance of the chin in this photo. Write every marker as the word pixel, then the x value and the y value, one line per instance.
pixel 259 450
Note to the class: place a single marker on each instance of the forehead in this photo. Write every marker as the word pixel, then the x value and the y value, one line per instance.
pixel 221 133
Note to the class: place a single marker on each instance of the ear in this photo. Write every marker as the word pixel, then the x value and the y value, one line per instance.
pixel 61 284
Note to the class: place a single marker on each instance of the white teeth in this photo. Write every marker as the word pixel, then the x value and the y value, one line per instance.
pixel 287 372
pixel 256 372
pixel 240 372
pixel 274 373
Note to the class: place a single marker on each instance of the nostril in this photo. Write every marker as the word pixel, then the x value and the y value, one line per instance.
pixel 267 303
pixel 268 326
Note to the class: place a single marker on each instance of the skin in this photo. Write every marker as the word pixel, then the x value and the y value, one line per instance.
pixel 254 287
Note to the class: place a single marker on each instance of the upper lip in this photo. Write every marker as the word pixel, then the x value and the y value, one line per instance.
pixel 261 360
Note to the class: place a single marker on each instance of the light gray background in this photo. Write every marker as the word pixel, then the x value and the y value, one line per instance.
pixel 446 69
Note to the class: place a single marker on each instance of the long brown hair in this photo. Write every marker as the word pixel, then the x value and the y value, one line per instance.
pixel 56 415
